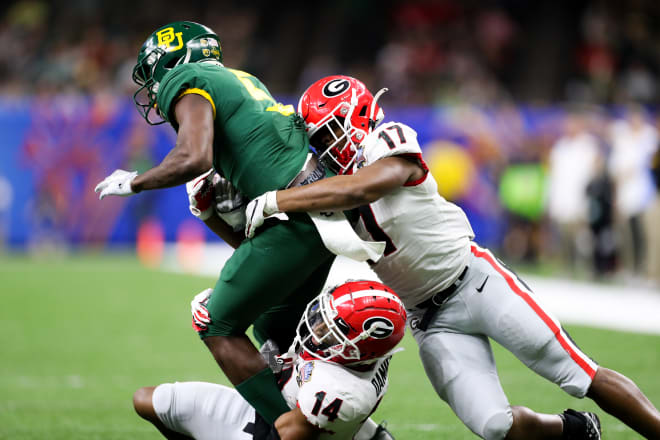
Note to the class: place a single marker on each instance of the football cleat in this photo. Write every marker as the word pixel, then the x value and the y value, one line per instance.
pixel 586 425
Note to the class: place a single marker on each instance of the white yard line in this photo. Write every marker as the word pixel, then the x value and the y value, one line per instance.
pixel 619 307
pixel 635 309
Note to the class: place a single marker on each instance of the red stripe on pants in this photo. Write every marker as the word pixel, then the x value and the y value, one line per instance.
pixel 537 309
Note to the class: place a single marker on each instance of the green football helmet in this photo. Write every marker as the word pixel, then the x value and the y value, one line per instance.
pixel 170 45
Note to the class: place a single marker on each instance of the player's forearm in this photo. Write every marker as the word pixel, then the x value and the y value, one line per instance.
pixel 177 168
pixel 334 193
pixel 293 425
pixel 224 231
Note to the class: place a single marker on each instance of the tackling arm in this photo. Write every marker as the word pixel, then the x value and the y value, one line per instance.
pixel 349 191
pixel 293 425
pixel 224 231
pixel 193 153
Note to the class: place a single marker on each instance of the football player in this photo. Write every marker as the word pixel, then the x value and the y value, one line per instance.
pixel 227 120
pixel 333 376
pixel 458 294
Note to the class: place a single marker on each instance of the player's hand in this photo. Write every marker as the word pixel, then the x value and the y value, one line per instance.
pixel 200 314
pixel 116 184
pixel 259 210
pixel 200 195
pixel 229 203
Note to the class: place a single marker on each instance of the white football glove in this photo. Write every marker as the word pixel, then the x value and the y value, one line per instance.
pixel 229 203
pixel 200 195
pixel 116 184
pixel 200 314
pixel 259 210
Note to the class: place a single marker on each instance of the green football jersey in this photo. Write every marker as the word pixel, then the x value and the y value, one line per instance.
pixel 259 144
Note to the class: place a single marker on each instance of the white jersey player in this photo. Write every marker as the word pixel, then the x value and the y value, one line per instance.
pixel 458 295
pixel 333 377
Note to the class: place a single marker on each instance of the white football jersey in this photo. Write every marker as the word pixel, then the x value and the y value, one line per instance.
pixel 333 397
pixel 427 238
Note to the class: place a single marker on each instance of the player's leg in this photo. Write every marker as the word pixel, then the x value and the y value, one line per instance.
pixel 462 370
pixel 507 311
pixel 549 350
pixel 510 313
pixel 143 404
pixel 279 322
pixel 261 274
pixel 619 396
pixel 459 362
pixel 198 410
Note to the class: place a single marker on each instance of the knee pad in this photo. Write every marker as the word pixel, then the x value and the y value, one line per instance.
pixel 162 399
pixel 174 404
pixel 498 425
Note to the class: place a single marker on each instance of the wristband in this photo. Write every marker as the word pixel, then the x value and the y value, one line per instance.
pixel 270 207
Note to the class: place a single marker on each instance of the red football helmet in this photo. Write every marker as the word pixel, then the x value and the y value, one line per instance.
pixel 339 112
pixel 356 322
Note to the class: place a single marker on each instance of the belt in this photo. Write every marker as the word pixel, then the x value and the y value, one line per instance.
pixel 433 304
pixel 311 171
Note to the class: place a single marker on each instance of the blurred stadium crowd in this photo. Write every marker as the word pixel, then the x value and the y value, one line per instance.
pixel 538 117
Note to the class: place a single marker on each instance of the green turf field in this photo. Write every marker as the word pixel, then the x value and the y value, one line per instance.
pixel 79 335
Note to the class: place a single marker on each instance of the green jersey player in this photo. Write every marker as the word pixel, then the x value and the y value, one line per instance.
pixel 227 119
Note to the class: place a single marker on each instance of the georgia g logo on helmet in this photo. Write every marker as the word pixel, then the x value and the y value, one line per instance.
pixel 335 87
pixel 378 327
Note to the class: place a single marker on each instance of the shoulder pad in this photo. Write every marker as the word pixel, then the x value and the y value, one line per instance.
pixel 390 139
pixel 176 81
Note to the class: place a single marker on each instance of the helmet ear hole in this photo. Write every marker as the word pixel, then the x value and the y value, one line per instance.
pixel 171 64
pixel 363 111
pixel 343 326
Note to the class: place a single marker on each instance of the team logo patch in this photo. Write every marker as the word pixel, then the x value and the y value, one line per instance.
pixel 378 327
pixel 335 87
pixel 305 373
pixel 170 40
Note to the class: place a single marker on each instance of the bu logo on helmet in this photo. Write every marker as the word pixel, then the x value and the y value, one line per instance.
pixel 167 36
pixel 335 87
pixel 378 327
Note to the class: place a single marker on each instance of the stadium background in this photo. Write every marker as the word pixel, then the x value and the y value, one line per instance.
pixel 90 306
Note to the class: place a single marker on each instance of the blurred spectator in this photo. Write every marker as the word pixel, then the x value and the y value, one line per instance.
pixel 634 141
pixel 596 57
pixel 572 165
pixel 653 221
pixel 604 246
pixel 522 191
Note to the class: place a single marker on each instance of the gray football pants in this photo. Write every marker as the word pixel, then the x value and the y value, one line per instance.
pixel 492 302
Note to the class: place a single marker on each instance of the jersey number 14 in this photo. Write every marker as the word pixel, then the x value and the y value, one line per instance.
pixel 329 411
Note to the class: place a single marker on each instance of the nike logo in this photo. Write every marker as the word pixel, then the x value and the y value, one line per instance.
pixel 479 289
